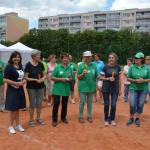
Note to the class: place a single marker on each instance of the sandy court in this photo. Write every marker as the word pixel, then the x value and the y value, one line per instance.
pixel 76 136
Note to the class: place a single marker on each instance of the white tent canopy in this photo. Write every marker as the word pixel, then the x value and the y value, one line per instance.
pixel 2 46
pixel 23 49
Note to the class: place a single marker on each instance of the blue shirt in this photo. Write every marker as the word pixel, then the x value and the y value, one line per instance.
pixel 100 66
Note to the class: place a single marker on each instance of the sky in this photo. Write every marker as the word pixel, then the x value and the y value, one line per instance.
pixel 33 9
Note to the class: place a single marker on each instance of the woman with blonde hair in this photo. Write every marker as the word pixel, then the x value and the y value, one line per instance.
pixel 111 88
pixel 51 65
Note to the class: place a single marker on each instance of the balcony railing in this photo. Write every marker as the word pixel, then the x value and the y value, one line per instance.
pixel 143 16
pixel 75 19
pixel 96 18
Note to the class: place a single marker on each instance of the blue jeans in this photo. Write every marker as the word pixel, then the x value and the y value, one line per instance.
pixel 110 115
pixel 126 92
pixel 137 99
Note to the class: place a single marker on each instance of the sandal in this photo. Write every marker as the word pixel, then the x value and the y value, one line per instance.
pixel 40 121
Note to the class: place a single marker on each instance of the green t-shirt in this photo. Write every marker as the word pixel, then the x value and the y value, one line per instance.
pixel 88 82
pixel 45 66
pixel 135 72
pixel 61 88
pixel 73 68
pixel 1 72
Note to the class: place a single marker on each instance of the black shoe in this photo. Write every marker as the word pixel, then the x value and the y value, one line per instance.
pixel 65 121
pixel 137 122
pixel 89 119
pixel 130 122
pixel 54 124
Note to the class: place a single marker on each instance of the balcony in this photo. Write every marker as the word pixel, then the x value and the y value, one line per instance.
pixel 43 25
pixel 43 20
pixel 142 15
pixel 143 23
pixel 75 19
pixel 99 17
pixel 63 20
pixel 99 24
pixel 75 25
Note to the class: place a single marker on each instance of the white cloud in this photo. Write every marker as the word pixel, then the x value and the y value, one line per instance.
pixel 127 4
pixel 33 9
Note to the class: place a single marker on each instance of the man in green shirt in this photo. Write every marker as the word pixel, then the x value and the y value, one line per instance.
pixel 87 74
pixel 61 75
pixel 2 66
pixel 72 82
pixel 139 76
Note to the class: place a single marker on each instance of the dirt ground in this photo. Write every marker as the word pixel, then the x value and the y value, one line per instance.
pixel 76 136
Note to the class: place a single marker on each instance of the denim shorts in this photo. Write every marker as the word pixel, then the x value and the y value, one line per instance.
pixel 137 99
pixel 36 97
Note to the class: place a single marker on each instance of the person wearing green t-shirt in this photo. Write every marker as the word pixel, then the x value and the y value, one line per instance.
pixel 139 76
pixel 73 81
pixel 2 66
pixel 87 74
pixel 43 61
pixel 61 75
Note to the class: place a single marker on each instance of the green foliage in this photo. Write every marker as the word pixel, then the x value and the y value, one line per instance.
pixel 125 42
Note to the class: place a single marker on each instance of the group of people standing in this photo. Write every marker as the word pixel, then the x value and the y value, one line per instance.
pixel 57 81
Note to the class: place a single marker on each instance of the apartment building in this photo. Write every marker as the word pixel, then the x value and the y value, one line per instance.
pixel 12 27
pixel 134 19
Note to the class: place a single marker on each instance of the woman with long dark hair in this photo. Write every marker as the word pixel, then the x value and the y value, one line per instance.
pixel 15 97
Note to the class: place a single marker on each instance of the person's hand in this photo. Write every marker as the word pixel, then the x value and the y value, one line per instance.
pixel 19 84
pixel 39 81
pixel 85 72
pixel 69 79
pixel 140 80
pixel 112 79
pixel 63 79
pixel 24 82
pixel 120 93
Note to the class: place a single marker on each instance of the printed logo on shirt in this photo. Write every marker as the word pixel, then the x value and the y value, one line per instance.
pixel 21 74
pixel 61 72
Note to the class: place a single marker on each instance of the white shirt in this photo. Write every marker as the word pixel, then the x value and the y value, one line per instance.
pixel 125 71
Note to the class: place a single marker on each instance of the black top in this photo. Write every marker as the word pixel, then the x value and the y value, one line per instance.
pixel 14 74
pixel 109 86
pixel 35 72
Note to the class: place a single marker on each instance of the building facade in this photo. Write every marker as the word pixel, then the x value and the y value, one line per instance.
pixel 134 19
pixel 12 27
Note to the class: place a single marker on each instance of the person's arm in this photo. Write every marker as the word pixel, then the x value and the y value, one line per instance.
pixel 81 73
pixel 55 78
pixel 29 79
pixel 120 79
pixel 41 79
pixel 10 82
pixel 7 78
pixel 103 75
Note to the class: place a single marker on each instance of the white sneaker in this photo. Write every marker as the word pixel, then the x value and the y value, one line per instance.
pixel 73 101
pixel 113 123
pixel 19 128
pixel 106 123
pixel 11 130
pixel 49 104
